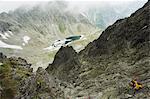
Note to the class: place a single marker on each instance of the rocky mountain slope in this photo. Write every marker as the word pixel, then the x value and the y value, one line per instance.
pixel 19 82
pixel 107 64
pixel 102 70
pixel 40 26
pixel 26 29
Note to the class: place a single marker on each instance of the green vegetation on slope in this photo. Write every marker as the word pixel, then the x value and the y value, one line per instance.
pixel 8 84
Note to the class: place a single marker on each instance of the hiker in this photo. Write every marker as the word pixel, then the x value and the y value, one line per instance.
pixel 136 85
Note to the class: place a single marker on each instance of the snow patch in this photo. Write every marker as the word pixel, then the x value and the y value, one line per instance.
pixel 23 44
pixel 1 63
pixel 6 35
pixel 59 43
pixel 3 36
pixel 10 33
pixel 83 37
pixel 4 45
pixel 52 48
pixel 26 39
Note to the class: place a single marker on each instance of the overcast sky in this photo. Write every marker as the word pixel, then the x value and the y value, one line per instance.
pixel 6 5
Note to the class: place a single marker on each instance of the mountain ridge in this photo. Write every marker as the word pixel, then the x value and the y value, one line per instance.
pixel 102 70
pixel 120 50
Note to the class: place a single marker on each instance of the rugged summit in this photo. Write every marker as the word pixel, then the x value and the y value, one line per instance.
pixel 66 64
pixel 102 70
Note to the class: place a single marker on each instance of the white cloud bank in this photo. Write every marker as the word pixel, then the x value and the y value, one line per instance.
pixel 68 0
pixel 6 5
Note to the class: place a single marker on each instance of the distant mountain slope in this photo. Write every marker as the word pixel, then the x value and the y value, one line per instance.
pixel 45 23
pixel 106 13
pixel 42 25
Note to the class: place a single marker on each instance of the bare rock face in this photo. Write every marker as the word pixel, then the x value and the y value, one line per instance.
pixel 65 63
pixel 108 64
pixel 64 55
pixel 4 26
pixel 40 86
pixel 124 34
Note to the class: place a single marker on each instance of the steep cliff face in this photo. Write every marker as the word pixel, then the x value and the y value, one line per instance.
pixel 108 64
pixel 124 34
pixel 66 64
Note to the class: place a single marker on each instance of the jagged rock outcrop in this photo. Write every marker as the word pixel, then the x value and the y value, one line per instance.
pixel 108 64
pixel 40 86
pixel 65 63
pixel 13 71
pixel 64 55
pixel 18 81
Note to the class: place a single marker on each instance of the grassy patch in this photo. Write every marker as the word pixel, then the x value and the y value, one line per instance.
pixel 62 27
pixel 95 72
pixel 7 83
